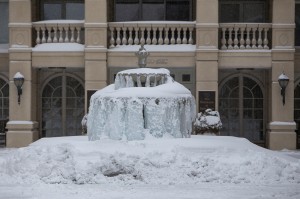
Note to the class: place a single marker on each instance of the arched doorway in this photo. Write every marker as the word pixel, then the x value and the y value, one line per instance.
pixel 62 106
pixel 241 106
pixel 297 110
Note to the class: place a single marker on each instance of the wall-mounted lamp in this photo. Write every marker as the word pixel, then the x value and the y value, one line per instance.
pixel 283 82
pixel 19 80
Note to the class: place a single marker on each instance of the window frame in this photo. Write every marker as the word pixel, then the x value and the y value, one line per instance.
pixel 63 8
pixel 241 7
pixel 140 9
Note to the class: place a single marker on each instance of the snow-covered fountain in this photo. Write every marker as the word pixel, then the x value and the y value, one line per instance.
pixel 142 102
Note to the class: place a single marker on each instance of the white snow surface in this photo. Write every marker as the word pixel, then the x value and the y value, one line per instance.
pixel 58 47
pixel 198 167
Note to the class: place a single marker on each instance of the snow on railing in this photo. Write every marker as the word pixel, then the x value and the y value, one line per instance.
pixel 245 36
pixel 58 31
pixel 151 33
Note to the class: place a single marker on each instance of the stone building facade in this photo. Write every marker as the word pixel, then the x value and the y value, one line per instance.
pixel 229 53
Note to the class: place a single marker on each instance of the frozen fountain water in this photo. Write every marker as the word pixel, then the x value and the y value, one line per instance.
pixel 142 101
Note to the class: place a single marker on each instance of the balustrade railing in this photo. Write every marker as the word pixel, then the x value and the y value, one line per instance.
pixel 58 31
pixel 151 33
pixel 239 36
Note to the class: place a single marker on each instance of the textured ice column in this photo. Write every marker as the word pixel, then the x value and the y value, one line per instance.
pixel 173 119
pixel 134 120
pixel 138 79
pixel 115 122
pixel 117 82
pixel 147 81
pixel 155 117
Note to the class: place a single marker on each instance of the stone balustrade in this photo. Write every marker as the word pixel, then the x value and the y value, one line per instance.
pixel 240 36
pixel 151 33
pixel 58 31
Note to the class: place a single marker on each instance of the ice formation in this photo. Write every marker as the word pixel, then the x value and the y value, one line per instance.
pixel 142 101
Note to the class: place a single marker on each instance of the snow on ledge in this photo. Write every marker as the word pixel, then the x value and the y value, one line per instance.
pixel 155 48
pixel 58 47
pixel 282 123
pixel 59 22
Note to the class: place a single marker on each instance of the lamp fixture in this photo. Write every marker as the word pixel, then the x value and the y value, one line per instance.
pixel 283 82
pixel 19 80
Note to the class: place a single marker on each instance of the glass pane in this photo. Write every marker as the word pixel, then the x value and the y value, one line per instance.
pixel 153 11
pixel 233 103
pixel 127 11
pixel 75 11
pixel 297 103
pixel 178 10
pixel 247 93
pixel 47 92
pixel 297 91
pixel 235 93
pixel 257 92
pixel 229 12
pixel 258 103
pixel 248 103
pixel 254 12
pixel 52 11
pixel 258 114
pixel 4 22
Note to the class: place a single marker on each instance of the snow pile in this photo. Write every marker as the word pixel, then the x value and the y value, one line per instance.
pixel 208 122
pixel 142 102
pixel 201 159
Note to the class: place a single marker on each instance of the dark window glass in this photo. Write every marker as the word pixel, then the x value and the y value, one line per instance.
pixel 297 21
pixel 155 10
pixel 62 9
pixel 4 99
pixel 186 77
pixel 3 22
pixel 254 11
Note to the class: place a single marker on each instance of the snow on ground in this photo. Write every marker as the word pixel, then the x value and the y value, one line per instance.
pixel 197 167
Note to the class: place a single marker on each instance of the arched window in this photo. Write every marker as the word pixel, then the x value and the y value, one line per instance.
pixel 62 107
pixel 241 106
pixel 62 9
pixel 150 10
pixel 4 99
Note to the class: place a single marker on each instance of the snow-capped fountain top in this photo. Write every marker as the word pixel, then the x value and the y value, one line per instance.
pixel 141 77
pixel 142 102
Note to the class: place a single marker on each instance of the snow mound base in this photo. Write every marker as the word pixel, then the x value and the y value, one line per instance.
pixel 201 159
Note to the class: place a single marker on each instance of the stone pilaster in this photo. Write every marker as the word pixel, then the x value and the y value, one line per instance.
pixel 207 48
pixel 281 129
pixel 95 45
pixel 22 125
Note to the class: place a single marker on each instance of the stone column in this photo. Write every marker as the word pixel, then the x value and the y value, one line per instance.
pixel 22 125
pixel 207 48
pixel 281 129
pixel 95 45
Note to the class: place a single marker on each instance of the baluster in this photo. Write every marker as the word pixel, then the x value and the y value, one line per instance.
pixel 248 41
pixel 148 40
pixel 72 28
pixel 223 39
pixel 130 40
pixel 173 36
pixel 154 39
pixel 184 39
pixel 118 41
pixel 242 40
pixel 191 40
pixel 236 41
pixel 136 36
pixel 259 38
pixel 112 37
pixel 67 40
pixel 49 29
pixel 166 40
pixel 178 40
pixel 266 41
pixel 78 28
pixel 38 32
pixel 55 40
pixel 230 42
pixel 160 39
pixel 142 35
pixel 60 30
pixel 253 41
pixel 43 34
pixel 124 39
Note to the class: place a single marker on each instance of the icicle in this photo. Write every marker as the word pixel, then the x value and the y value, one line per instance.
pixel 138 79
pixel 147 81
pixel 154 81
